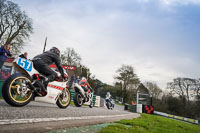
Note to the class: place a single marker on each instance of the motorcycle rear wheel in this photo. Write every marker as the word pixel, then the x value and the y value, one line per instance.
pixel 15 90
pixel 78 99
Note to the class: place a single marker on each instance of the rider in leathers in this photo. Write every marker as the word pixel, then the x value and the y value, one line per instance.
pixel 108 96
pixel 41 64
pixel 85 85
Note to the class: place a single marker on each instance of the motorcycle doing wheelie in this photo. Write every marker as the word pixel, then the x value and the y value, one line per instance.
pixel 80 96
pixel 21 88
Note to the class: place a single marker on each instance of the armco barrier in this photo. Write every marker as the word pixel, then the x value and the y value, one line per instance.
pixel 177 117
pixel 126 106
pixel 72 94
pixel 94 99
pixel 1 84
pixel 139 108
pixel 147 109
pixel 133 108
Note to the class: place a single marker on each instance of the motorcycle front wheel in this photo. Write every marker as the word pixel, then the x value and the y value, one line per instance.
pixel 16 91
pixel 64 99
pixel 108 105
pixel 91 104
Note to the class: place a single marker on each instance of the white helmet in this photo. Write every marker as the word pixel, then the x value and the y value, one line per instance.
pixel 83 78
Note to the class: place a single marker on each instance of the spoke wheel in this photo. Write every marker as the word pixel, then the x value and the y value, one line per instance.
pixel 64 99
pixel 78 99
pixel 15 90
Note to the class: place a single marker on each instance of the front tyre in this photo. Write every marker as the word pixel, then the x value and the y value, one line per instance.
pixel 108 105
pixel 91 104
pixel 78 99
pixel 16 91
pixel 64 99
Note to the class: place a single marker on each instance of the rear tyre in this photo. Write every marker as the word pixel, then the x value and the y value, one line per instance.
pixel 16 91
pixel 64 99
pixel 78 99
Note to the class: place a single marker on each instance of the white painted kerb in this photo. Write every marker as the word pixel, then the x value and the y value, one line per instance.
pixel 35 120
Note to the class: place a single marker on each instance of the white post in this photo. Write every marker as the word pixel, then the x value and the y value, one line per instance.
pixel 137 97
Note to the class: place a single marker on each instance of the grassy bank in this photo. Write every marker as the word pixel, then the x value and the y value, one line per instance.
pixel 151 124
pixel 119 104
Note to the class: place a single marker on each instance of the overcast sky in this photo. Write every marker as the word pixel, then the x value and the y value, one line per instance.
pixel 159 38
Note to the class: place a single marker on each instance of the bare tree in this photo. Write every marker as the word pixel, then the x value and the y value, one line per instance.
pixel 126 76
pixel 183 87
pixel 154 89
pixel 15 25
pixel 70 57
pixel 197 88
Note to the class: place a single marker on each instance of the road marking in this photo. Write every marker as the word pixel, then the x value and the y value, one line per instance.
pixel 35 120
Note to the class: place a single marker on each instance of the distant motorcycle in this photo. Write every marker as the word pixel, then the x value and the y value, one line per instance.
pixel 80 96
pixel 109 103
pixel 21 88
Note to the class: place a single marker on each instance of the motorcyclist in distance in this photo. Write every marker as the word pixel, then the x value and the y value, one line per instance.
pixel 85 85
pixel 108 96
pixel 42 61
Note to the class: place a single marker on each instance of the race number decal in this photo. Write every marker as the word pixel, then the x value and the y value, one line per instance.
pixel 25 64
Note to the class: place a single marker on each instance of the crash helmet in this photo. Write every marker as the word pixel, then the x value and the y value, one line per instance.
pixel 108 93
pixel 83 78
pixel 55 50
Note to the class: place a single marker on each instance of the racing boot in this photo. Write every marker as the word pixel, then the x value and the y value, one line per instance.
pixel 88 91
pixel 40 88
pixel 45 83
pixel 87 95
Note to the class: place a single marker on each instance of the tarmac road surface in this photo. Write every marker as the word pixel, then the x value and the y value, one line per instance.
pixel 42 117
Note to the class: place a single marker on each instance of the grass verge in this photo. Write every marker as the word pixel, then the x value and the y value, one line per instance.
pixel 71 102
pixel 151 124
pixel 119 104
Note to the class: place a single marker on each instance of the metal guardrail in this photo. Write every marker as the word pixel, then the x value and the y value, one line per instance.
pixel 177 117
pixel 1 84
pixel 133 108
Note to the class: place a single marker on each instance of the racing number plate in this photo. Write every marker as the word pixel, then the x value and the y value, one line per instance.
pixel 25 64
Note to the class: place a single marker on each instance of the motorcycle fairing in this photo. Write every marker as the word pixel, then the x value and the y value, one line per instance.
pixel 54 89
